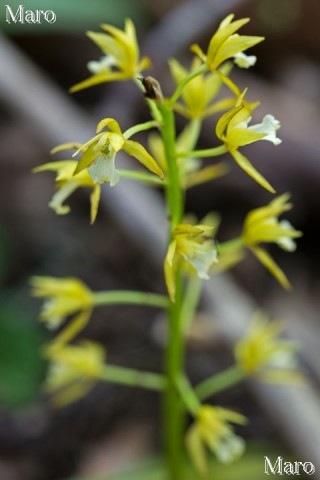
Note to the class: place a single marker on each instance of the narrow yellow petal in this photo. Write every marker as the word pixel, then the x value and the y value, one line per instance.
pixel 136 150
pixel 271 265
pixel 94 199
pixel 170 268
pixel 196 449
pixel 98 78
pixel 205 175
pixel 238 137
pixel 66 146
pixel 244 163
pixel 112 125
pixel 224 121
pixel 87 159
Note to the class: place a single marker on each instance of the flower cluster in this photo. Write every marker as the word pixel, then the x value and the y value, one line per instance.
pixel 212 430
pixel 193 245
pixel 261 353
pixel 262 226
pixel 121 56
pixel 175 164
pixel 73 371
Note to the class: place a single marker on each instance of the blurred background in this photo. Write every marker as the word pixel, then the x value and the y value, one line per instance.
pixel 114 426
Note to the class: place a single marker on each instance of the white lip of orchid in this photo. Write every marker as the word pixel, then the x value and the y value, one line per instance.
pixel 268 126
pixel 97 66
pixel 103 170
pixel 244 61
pixel 286 243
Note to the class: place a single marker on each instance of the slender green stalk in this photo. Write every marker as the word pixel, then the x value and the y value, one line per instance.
pixel 134 378
pixel 220 382
pixel 188 395
pixel 173 406
pixel 174 191
pixel 140 128
pixel 177 93
pixel 143 177
pixel 208 152
pixel 234 244
pixel 190 303
pixel 174 357
pixel 127 297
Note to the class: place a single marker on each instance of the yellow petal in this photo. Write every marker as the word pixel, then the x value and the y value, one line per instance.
pixel 196 449
pixel 238 137
pixel 112 125
pixel 87 159
pixel 205 175
pixel 66 146
pixel 108 45
pixel 197 50
pixel 170 269
pixel 273 268
pixel 220 37
pixel 94 199
pixel 244 163
pixel 98 78
pixel 234 45
pixel 136 150
pixel 224 121
pixel 73 328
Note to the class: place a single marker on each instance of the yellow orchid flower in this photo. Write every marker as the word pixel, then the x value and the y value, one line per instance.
pixel 64 297
pixel 262 354
pixel 262 225
pixel 67 183
pixel 198 94
pixel 226 43
pixel 121 56
pixel 212 430
pixel 73 370
pixel 194 245
pixel 234 131
pixel 99 153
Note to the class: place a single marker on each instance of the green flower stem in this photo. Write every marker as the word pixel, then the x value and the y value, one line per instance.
pixel 221 381
pixel 234 244
pixel 124 297
pixel 174 411
pixel 140 128
pixel 208 152
pixel 134 378
pixel 173 406
pixel 174 192
pixel 190 302
pixel 143 177
pixel 188 395
pixel 177 93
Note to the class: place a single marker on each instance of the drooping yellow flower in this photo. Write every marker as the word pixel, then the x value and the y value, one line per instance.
pixel 121 56
pixel 73 370
pixel 64 297
pixel 212 430
pixel 234 131
pixel 67 183
pixel 199 93
pixel 226 43
pixel 192 244
pixel 99 153
pixel 263 354
pixel 262 226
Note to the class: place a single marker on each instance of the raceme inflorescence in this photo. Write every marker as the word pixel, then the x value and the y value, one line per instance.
pixel 204 92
